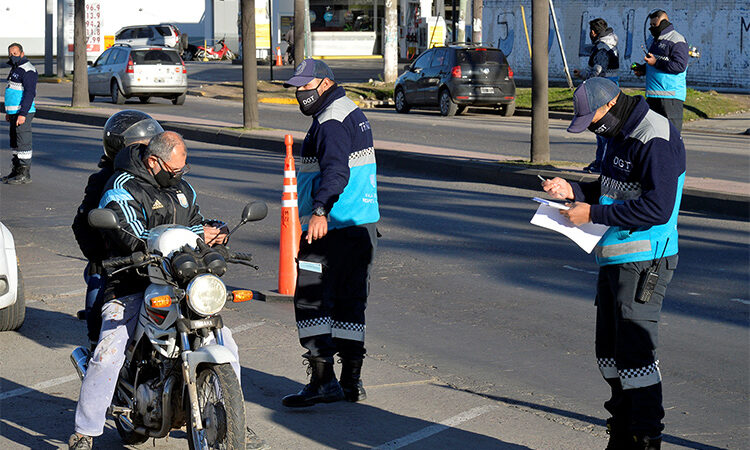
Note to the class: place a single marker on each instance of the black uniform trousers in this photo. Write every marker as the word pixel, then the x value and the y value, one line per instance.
pixel 626 341
pixel 333 282
pixel 20 136
pixel 671 108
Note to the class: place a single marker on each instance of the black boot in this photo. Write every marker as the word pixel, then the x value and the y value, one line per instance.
pixel 13 170
pixel 24 173
pixel 350 381
pixel 323 386
pixel 646 443
pixel 619 435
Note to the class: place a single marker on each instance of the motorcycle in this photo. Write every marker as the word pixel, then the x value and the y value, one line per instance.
pixel 176 369
pixel 213 54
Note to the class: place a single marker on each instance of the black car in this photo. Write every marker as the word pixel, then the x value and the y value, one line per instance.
pixel 455 77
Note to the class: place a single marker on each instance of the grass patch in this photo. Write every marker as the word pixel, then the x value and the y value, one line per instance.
pixel 698 104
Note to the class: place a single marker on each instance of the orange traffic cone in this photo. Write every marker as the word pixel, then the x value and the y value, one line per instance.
pixel 291 231
pixel 279 62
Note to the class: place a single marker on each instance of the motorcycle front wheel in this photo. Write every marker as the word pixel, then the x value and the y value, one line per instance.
pixel 222 410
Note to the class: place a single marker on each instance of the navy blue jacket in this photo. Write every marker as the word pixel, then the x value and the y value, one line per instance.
pixel 639 191
pixel 667 77
pixel 338 170
pixel 21 89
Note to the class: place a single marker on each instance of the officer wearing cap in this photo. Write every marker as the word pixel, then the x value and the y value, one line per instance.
pixel 338 208
pixel 638 195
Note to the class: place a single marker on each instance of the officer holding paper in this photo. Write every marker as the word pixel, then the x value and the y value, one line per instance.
pixel 638 196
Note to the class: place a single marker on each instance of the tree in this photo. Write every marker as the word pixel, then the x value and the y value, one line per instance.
pixel 539 81
pixel 390 35
pixel 299 30
pixel 80 68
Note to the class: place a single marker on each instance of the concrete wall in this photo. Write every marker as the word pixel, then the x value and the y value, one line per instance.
pixel 719 28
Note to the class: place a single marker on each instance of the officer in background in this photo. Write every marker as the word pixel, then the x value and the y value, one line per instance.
pixel 338 208
pixel 665 69
pixel 638 195
pixel 19 113
pixel 604 61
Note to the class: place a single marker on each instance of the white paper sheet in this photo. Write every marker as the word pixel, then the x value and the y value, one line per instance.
pixel 586 235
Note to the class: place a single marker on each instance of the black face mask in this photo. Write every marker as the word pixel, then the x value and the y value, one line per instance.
pixel 308 100
pixel 14 60
pixel 606 126
pixel 165 178
pixel 656 31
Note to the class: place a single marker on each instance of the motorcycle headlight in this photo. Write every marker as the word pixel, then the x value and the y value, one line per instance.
pixel 206 294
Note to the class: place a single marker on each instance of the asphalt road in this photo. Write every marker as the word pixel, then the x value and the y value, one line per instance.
pixel 465 291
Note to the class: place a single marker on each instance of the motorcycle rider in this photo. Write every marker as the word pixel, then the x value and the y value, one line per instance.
pixel 124 128
pixel 146 190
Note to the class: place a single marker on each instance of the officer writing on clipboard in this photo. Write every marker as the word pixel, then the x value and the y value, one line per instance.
pixel 638 196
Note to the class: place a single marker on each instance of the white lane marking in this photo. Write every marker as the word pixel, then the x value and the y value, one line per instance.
pixel 437 428
pixel 37 387
pixel 246 326
pixel 739 300
pixel 576 269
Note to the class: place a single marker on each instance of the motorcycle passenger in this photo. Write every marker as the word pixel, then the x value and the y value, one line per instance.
pixel 124 128
pixel 146 190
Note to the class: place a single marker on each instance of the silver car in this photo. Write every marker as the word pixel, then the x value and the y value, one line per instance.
pixel 122 72
pixel 12 305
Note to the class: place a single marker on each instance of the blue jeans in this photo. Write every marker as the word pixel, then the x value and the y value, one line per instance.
pixel 94 290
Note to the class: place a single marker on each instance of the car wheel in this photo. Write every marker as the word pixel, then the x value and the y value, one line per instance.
pixel 12 317
pixel 91 97
pixel 461 109
pixel 117 97
pixel 508 109
pixel 447 106
pixel 145 99
pixel 180 99
pixel 400 99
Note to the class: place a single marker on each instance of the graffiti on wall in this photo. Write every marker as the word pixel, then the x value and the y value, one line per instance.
pixel 720 29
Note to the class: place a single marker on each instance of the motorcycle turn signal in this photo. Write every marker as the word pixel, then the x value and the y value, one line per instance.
pixel 241 296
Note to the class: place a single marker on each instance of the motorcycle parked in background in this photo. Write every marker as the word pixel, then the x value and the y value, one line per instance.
pixel 213 53
pixel 176 368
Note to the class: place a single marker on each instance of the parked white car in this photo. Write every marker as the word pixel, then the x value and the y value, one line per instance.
pixel 125 71
pixel 164 35
pixel 12 304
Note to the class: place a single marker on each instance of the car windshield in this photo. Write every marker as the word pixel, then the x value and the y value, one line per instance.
pixel 484 56
pixel 155 57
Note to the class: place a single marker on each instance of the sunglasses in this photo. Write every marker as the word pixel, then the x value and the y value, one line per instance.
pixel 163 164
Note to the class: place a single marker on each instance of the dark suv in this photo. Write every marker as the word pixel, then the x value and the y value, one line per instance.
pixel 455 77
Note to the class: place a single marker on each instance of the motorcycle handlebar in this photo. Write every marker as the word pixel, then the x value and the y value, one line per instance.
pixel 122 261
pixel 241 256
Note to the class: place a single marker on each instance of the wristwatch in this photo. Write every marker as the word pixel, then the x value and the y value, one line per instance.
pixel 319 211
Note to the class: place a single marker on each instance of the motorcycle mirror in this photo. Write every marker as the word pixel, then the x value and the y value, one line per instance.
pixel 103 219
pixel 252 212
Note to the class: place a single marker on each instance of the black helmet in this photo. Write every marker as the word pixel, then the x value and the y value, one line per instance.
pixel 126 127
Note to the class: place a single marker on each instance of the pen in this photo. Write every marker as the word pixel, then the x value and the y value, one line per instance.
pixel 541 178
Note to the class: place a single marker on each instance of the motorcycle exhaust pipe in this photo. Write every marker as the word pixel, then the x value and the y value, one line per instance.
pixel 80 359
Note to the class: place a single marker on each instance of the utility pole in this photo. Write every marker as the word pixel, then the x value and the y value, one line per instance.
pixel 454 21
pixel 476 26
pixel 249 66
pixel 461 24
pixel 60 39
pixel 539 81
pixel 48 37
pixel 80 68
pixel 390 58
pixel 299 31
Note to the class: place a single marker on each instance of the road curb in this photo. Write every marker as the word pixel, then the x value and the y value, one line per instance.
pixel 393 157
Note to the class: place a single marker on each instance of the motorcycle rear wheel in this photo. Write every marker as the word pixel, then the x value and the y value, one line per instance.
pixel 222 408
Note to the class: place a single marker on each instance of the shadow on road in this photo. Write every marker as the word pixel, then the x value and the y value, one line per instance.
pixel 344 425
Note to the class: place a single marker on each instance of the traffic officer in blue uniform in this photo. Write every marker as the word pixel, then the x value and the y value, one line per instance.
pixel 665 69
pixel 638 196
pixel 338 208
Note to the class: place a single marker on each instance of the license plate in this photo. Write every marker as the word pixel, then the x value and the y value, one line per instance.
pixel 486 90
